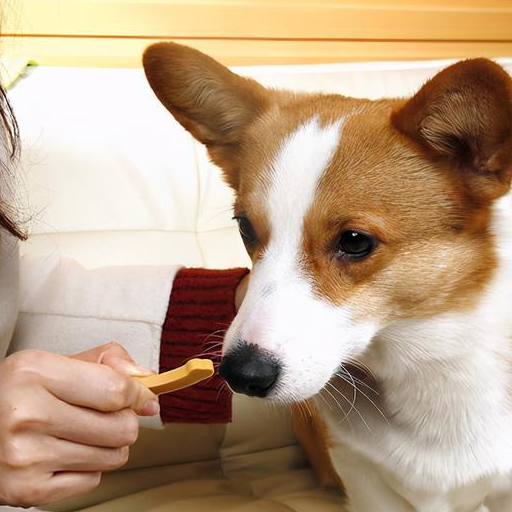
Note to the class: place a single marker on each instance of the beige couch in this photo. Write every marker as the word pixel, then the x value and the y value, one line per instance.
pixel 113 180
pixel 252 464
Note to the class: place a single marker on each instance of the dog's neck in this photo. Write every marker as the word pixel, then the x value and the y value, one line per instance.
pixel 444 388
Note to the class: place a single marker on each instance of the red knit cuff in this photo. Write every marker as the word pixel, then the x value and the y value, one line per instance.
pixel 201 307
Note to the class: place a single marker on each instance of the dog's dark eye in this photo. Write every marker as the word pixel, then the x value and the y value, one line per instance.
pixel 355 244
pixel 246 230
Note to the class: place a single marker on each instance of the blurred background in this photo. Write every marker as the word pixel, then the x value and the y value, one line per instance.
pixel 245 32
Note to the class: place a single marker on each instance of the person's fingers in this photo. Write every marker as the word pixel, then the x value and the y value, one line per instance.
pixel 151 408
pixel 63 455
pixel 114 355
pixel 93 354
pixel 107 429
pixel 122 365
pixel 65 484
pixel 82 383
pixel 103 389
pixel 30 452
pixel 31 489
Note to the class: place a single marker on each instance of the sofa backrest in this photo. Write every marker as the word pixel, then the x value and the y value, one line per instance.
pixel 112 179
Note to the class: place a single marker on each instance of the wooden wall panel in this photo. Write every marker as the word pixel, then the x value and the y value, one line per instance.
pixel 114 32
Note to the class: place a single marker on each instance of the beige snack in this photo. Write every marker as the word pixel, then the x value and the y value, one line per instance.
pixel 190 373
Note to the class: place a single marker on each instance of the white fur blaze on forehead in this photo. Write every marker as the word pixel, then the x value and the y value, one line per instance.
pixel 281 314
pixel 296 171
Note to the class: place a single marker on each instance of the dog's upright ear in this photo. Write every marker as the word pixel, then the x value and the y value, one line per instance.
pixel 464 116
pixel 212 103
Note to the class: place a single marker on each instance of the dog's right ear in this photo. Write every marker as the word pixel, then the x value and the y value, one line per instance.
pixel 212 103
pixel 464 116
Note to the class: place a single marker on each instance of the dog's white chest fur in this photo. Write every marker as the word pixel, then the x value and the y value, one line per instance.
pixel 432 455
pixel 444 429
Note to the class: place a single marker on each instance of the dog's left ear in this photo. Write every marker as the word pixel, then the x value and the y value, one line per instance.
pixel 212 103
pixel 464 116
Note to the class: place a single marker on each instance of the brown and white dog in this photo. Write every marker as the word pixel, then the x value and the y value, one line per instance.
pixel 381 238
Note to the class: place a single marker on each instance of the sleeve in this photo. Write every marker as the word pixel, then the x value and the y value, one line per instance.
pixel 201 307
pixel 162 315
pixel 67 308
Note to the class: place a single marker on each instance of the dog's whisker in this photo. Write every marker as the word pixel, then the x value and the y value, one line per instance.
pixel 221 331
pixel 355 382
pixel 351 403
pixel 223 324
pixel 219 334
pixel 216 351
pixel 354 406
pixel 210 355
pixel 337 403
pixel 325 401
pixel 345 415
pixel 214 345
pixel 355 379
pixel 302 411
pixel 354 387
pixel 214 340
pixel 223 388
pixel 308 407
pixel 372 402
pixel 363 367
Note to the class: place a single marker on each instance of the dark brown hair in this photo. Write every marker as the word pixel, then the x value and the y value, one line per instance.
pixel 11 140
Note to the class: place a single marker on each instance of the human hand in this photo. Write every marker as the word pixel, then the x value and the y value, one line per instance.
pixel 65 420
pixel 114 355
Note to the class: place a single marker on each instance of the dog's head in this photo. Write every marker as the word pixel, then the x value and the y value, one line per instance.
pixel 355 213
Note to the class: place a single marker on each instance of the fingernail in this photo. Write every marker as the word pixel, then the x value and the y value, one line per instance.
pixel 150 408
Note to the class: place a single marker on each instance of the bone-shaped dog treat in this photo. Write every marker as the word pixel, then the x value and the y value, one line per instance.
pixel 190 373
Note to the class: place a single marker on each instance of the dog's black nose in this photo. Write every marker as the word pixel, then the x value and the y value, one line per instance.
pixel 250 370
